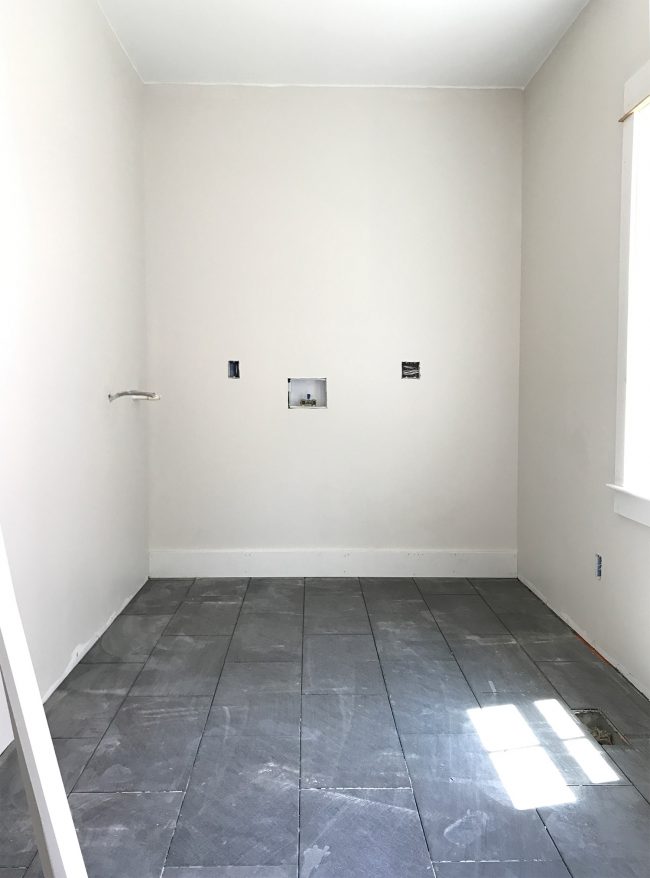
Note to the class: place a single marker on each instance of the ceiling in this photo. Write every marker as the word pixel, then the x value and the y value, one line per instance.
pixel 471 43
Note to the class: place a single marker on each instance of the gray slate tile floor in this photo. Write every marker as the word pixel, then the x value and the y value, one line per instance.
pixel 342 728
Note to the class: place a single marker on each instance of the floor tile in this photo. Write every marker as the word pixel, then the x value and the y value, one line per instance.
pixel 405 614
pixel 476 820
pixel 395 643
pixel 483 640
pixel 231 872
pixel 159 597
pixel 467 757
pixel 558 648
pixel 72 755
pixel 448 757
pixel 257 714
pixel 521 869
pixel 530 624
pixel 496 584
pixel 241 808
pixel 604 833
pixel 510 721
pixel 634 761
pixel 386 588
pixel 429 697
pixel 333 585
pixel 501 668
pixel 351 647
pixel 335 674
pixel 444 585
pixel 205 617
pixel 183 665
pixel 340 663
pixel 504 595
pixel 150 746
pixel 217 589
pixel 271 584
pixel 335 614
pixel 364 833
pixel 123 835
pixel 88 699
pixel 17 846
pixel 128 639
pixel 274 596
pixel 267 637
pixel 460 616
pixel 241 680
pixel 506 708
pixel 597 685
pixel 583 762
pixel 248 761
pixel 350 741
pixel 524 602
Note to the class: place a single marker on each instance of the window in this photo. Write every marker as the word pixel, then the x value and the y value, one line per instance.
pixel 633 440
pixel 636 447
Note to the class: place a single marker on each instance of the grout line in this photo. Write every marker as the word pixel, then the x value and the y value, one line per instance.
pixel 477 699
pixel 130 689
pixel 626 776
pixel 516 639
pixel 553 842
pixel 302 674
pixel 517 643
pixel 103 735
pixel 207 717
pixel 560 698
pixel 122 702
pixel 197 636
pixel 127 793
pixel 85 664
pixel 354 789
pixel 449 646
pixel 339 634
pixel 397 731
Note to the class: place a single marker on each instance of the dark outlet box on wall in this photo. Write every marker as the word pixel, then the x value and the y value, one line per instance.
pixel 410 370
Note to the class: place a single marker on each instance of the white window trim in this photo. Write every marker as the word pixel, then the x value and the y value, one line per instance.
pixel 626 502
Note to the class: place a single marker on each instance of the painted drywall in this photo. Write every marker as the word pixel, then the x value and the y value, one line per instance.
pixel 73 503
pixel 333 233
pixel 342 42
pixel 572 191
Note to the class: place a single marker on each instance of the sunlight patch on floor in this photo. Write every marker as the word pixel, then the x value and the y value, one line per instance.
pixel 526 769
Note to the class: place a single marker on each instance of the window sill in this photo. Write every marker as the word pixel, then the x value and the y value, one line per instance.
pixel 631 505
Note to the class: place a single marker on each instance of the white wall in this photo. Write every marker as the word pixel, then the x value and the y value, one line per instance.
pixel 72 468
pixel 333 233
pixel 572 187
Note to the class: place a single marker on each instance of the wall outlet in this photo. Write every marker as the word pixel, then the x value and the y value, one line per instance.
pixel 410 369
pixel 599 566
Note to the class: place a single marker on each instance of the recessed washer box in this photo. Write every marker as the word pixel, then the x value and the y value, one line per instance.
pixel 307 393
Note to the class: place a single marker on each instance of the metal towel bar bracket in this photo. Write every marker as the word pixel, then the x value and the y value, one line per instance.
pixel 134 394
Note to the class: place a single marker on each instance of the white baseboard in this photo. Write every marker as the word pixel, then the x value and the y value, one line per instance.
pixel 77 655
pixel 586 636
pixel 330 562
